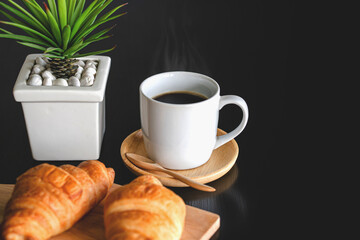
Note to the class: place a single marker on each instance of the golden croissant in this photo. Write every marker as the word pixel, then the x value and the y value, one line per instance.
pixel 48 200
pixel 144 209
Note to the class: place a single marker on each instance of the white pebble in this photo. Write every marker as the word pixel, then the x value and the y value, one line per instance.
pixel 77 75
pixel 40 61
pixel 89 71
pixel 90 65
pixel 48 74
pixel 47 82
pixel 87 80
pixel 74 81
pixel 35 80
pixel 80 63
pixel 39 66
pixel 90 76
pixel 38 69
pixel 79 69
pixel 93 62
pixel 60 82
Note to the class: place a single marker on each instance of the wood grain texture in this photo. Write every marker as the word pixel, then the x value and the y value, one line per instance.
pixel 220 162
pixel 199 224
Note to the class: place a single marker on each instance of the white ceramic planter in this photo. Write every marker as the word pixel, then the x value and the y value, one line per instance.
pixel 64 123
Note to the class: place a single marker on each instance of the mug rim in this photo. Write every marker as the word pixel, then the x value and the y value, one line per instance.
pixel 181 72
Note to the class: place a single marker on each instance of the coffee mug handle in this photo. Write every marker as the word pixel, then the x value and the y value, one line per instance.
pixel 232 99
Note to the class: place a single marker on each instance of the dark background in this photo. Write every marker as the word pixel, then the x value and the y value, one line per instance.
pixel 253 49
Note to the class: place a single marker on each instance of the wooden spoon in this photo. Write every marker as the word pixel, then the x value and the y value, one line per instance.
pixel 148 164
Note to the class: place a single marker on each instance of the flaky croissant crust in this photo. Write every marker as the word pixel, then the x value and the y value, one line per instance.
pixel 144 209
pixel 48 200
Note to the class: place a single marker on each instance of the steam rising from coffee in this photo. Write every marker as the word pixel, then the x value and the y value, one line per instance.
pixel 176 50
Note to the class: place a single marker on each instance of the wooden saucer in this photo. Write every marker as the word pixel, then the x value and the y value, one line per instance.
pixel 220 162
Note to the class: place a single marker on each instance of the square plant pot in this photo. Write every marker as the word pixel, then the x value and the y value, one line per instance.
pixel 64 123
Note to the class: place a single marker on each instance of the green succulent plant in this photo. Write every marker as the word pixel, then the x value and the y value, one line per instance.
pixel 62 28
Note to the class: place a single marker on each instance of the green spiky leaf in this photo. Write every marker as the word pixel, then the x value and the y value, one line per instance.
pixel 52 49
pixel 35 21
pixel 18 25
pixel 23 38
pixel 60 28
pixel 32 45
pixel 53 25
pixel 73 49
pixel 89 30
pixel 37 11
pixel 62 13
pixel 70 9
pixel 53 9
pixel 25 18
pixel 96 52
pixel 82 18
pixel 66 36
pixel 77 12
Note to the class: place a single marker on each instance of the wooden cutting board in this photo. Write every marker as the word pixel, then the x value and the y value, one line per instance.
pixel 199 224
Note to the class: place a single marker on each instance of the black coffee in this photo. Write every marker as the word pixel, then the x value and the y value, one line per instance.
pixel 180 97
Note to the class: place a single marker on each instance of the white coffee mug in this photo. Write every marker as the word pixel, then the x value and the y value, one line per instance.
pixel 183 136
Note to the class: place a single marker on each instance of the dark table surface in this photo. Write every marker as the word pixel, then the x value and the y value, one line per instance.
pixel 246 46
